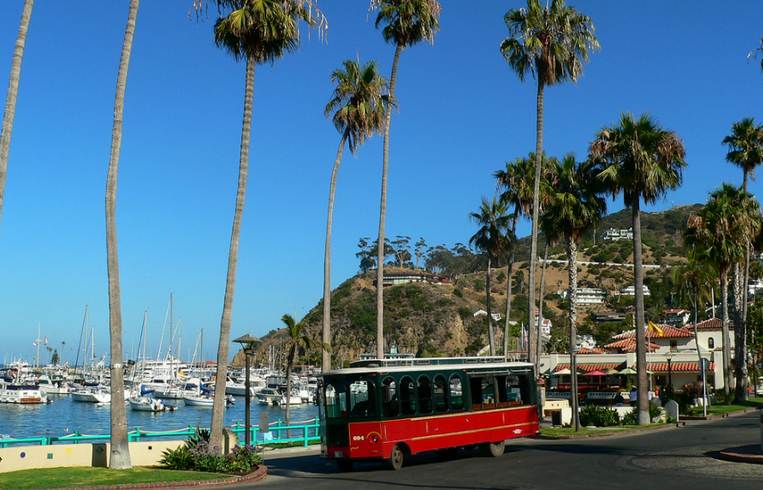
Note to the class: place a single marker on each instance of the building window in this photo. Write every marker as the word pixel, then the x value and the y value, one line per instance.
pixel 673 345
pixel 711 343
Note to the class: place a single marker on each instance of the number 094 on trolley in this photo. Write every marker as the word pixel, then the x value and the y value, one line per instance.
pixel 393 408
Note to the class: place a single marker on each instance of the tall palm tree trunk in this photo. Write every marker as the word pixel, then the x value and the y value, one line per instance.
pixel 383 210
pixel 326 337
pixel 740 335
pixel 490 333
pixel 218 408
pixel 725 331
pixel 572 296
pixel 531 347
pixel 638 284
pixel 507 322
pixel 10 98
pixel 120 450
pixel 509 271
pixel 539 336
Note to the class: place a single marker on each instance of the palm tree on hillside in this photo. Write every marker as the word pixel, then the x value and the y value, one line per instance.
pixel 491 239
pixel 297 343
pixel 642 161
pixel 575 206
pixel 551 43
pixel 515 183
pixel 257 31
pixel 357 108
pixel 10 98
pixel 120 451
pixel 405 24
pixel 714 232
pixel 745 151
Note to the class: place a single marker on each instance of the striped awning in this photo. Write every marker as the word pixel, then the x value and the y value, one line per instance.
pixel 677 367
pixel 589 367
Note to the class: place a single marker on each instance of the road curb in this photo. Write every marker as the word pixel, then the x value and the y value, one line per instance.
pixel 737 457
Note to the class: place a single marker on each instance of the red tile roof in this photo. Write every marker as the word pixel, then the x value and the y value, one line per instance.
pixel 668 332
pixel 629 345
pixel 590 366
pixel 709 324
pixel 677 367
pixel 594 350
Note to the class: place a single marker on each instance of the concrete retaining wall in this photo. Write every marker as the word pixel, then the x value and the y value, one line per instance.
pixel 71 455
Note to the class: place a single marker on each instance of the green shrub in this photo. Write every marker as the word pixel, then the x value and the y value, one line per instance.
pixel 631 418
pixel 501 277
pixel 458 292
pixel 195 455
pixel 598 416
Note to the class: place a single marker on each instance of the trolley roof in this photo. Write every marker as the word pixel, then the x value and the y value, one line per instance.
pixel 428 364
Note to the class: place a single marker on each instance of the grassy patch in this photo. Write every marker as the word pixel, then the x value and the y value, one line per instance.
pixel 721 409
pixel 74 477
pixel 593 432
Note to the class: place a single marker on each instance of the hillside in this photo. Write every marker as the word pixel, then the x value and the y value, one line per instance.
pixel 438 319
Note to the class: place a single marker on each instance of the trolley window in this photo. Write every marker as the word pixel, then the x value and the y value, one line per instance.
pixel 456 390
pixel 440 397
pixel 483 392
pixel 336 402
pixel 362 399
pixel 424 395
pixel 391 402
pixel 407 396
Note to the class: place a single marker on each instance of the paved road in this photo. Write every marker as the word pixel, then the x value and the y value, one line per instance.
pixel 665 459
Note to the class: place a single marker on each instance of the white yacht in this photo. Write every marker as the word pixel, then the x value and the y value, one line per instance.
pixel 21 394
pixel 268 396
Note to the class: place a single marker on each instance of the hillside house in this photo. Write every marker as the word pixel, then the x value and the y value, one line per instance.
pixel 614 234
pixel 676 317
pixel 631 291
pixel 587 296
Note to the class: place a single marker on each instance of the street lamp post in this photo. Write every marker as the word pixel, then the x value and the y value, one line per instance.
pixel 670 375
pixel 248 345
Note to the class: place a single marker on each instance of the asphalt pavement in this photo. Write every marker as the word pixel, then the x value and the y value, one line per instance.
pixel 666 459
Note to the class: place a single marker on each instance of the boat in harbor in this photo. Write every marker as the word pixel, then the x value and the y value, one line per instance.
pixel 21 394
pixel 53 386
pixel 292 400
pixel 148 404
pixel 268 396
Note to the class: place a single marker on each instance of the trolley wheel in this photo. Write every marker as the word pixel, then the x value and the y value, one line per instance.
pixel 494 449
pixel 344 465
pixel 397 458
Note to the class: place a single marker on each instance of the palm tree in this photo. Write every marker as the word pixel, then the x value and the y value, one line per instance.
pixel 715 231
pixel 745 151
pixel 120 451
pixel 405 23
pixel 551 43
pixel 491 239
pixel 297 343
pixel 358 105
pixel 10 99
pixel 575 206
pixel 643 161
pixel 515 183
pixel 257 31
pixel 695 278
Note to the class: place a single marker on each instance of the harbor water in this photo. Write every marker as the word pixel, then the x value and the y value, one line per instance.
pixel 64 416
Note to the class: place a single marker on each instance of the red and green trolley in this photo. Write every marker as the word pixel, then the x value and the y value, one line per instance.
pixel 393 408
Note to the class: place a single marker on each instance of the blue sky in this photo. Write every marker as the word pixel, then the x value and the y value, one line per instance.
pixel 462 114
